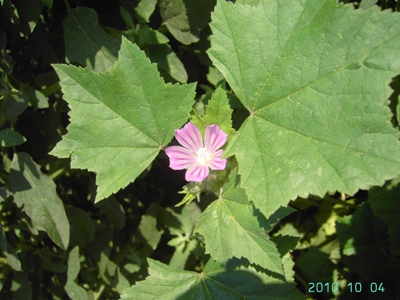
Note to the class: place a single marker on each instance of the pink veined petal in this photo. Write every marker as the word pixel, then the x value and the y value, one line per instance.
pixel 216 162
pixel 197 173
pixel 189 137
pixel 215 138
pixel 180 158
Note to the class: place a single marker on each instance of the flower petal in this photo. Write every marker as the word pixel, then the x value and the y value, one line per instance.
pixel 197 173
pixel 189 137
pixel 180 158
pixel 215 138
pixel 216 162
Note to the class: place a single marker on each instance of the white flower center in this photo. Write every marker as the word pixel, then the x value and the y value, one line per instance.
pixel 203 156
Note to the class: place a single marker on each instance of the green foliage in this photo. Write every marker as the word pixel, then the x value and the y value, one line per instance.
pixel 232 212
pixel 214 282
pixel 97 51
pixel 73 290
pixel 385 205
pixel 9 138
pixel 36 194
pixel 185 19
pixel 91 93
pixel 302 82
pixel 146 115
pixel 218 112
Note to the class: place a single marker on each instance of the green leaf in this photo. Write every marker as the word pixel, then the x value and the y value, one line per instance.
pixel 314 92
pixel 21 286
pixel 364 238
pixel 73 290
pixel 386 206
pixel 97 50
pixel 316 266
pixel 35 193
pixel 214 282
pixel 185 19
pixel 148 231
pixel 9 138
pixel 11 258
pixel 125 14
pixel 114 211
pixel 145 9
pixel 82 227
pixel 48 3
pixel 149 36
pixel 168 61
pixel 29 13
pixel 35 98
pixel 365 4
pixel 218 112
pixel 133 114
pixel 230 226
pixel 12 106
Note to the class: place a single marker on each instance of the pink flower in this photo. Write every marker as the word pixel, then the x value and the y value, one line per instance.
pixel 195 156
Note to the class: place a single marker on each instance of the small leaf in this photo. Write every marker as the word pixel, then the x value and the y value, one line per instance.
pixel 21 286
pixel 230 228
pixel 133 114
pixel 81 225
pixel 35 98
pixel 9 138
pixel 29 13
pixel 12 106
pixel 386 206
pixel 36 194
pixel 126 16
pixel 363 238
pixel 185 19
pixel 149 36
pixel 11 258
pixel 148 230
pixel 145 9
pixel 97 50
pixel 168 62
pixel 316 266
pixel 114 211
pixel 73 290
pixel 219 112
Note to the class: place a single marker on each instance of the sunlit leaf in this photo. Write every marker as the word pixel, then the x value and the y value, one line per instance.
pixel 145 9
pixel 314 84
pixel 185 19
pixel 121 119
pixel 9 138
pixel 214 282
pixel 231 227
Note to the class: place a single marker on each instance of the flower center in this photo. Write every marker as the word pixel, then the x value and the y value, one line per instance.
pixel 203 156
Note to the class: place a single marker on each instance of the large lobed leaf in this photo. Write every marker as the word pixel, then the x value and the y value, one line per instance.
pixel 314 76
pixel 120 119
pixel 214 282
